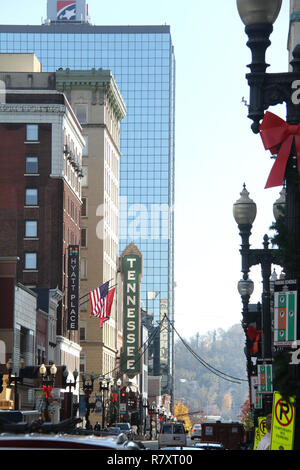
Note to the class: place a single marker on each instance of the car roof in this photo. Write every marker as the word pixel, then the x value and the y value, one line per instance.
pixel 60 441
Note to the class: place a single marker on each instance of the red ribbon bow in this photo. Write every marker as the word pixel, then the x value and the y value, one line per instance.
pixel 254 336
pixel 47 391
pixel 275 132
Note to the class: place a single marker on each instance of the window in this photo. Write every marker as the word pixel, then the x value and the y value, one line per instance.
pixel 32 133
pixel 84 237
pixel 84 181
pixel 31 197
pixel 84 207
pixel 31 165
pixel 30 260
pixel 85 150
pixel 81 111
pixel 82 332
pixel 83 268
pixel 31 228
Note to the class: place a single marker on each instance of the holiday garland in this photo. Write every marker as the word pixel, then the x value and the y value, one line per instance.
pixel 284 375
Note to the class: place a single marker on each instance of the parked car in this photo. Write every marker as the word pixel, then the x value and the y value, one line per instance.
pixel 63 442
pixel 196 432
pixel 126 429
pixel 114 430
pixel 209 446
pixel 172 434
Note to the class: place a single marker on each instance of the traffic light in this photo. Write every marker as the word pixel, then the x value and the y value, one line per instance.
pixel 123 396
pixel 1 382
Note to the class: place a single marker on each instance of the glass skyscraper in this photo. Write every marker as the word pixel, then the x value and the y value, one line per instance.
pixel 142 61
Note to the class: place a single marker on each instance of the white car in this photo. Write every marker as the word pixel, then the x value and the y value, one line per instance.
pixel 196 431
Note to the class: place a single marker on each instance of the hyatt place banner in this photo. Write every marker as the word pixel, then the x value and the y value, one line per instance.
pixel 73 286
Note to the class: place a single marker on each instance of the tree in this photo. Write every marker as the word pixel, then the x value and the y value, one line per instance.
pixel 246 417
pixel 181 413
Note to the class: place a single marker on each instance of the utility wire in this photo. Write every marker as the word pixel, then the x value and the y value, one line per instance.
pixel 212 369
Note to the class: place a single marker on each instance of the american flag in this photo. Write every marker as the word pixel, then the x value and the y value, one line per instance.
pixel 105 313
pixel 98 299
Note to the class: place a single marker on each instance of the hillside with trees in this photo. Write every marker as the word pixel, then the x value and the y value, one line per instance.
pixel 210 374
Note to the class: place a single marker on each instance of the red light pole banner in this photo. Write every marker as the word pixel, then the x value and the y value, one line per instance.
pixel 73 287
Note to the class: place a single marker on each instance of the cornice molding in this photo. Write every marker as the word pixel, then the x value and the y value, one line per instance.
pixel 32 108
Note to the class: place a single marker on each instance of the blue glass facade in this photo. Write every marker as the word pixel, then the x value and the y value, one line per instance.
pixel 141 59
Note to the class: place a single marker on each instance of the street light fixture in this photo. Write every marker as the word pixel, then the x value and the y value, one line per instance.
pixel 258 11
pixel 87 390
pixel 47 384
pixel 104 386
pixel 244 211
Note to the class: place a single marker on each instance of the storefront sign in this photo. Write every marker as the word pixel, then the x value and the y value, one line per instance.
pixel 73 287
pixel 131 265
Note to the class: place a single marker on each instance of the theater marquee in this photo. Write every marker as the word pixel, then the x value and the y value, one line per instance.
pixel 131 266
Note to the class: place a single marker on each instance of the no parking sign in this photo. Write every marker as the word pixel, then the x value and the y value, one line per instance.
pixel 283 423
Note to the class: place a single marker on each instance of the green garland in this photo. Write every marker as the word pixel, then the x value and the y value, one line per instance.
pixel 286 248
pixel 283 381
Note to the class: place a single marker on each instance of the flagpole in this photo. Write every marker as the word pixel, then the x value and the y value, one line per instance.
pixel 89 299
pixel 91 291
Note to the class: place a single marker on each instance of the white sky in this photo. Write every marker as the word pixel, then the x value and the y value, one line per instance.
pixel 216 151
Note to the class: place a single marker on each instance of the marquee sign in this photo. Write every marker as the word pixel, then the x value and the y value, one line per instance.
pixel 73 287
pixel 131 267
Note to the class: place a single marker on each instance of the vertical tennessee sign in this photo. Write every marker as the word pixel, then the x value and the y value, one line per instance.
pixel 131 265
pixel 73 287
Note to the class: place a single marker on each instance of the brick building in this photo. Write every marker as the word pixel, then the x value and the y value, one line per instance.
pixel 40 196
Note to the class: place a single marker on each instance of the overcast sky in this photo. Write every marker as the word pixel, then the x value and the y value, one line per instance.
pixel 216 151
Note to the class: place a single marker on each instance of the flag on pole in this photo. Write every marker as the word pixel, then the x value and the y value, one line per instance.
pixel 97 298
pixel 105 312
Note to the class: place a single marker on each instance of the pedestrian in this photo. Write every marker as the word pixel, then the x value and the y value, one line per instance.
pixel 265 442
pixel 97 426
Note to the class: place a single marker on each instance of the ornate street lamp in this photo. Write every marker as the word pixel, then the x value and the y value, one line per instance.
pixel 104 386
pixel 244 211
pixel 87 390
pixel 47 384
pixel 258 17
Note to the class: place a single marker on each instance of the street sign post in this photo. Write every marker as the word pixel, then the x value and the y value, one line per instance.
pixel 283 423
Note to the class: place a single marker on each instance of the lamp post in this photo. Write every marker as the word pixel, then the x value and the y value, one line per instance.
pixel 47 384
pixel 15 379
pixel 244 212
pixel 87 390
pixel 104 385
pixel 268 89
pixel 68 396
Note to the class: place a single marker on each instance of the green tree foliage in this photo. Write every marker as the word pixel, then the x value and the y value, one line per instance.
pixel 203 391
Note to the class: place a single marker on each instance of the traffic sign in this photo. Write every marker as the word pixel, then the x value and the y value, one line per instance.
pixel 262 426
pixel 283 423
